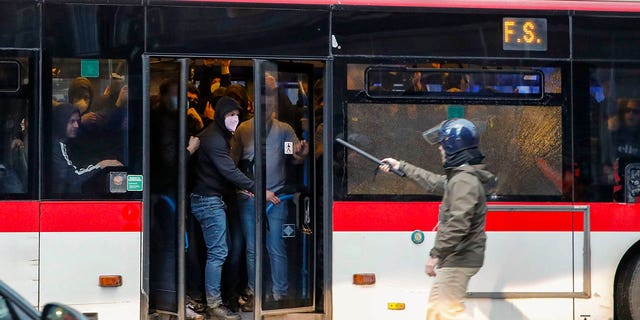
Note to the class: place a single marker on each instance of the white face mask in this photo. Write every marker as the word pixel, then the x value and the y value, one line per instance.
pixel 231 123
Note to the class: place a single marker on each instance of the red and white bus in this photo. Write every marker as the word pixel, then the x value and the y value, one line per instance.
pixel 554 87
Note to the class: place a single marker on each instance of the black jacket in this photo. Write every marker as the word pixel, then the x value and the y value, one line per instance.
pixel 66 177
pixel 216 173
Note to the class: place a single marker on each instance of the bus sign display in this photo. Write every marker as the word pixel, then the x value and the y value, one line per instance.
pixel 524 34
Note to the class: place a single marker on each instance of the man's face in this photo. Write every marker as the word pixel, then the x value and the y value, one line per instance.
pixel 270 81
pixel 632 114
pixel 72 125
pixel 83 101
pixel 171 99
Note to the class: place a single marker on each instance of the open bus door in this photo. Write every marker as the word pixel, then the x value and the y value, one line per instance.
pixel 284 267
pixel 164 239
pixel 286 233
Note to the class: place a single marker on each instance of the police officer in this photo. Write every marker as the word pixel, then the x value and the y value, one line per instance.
pixel 458 252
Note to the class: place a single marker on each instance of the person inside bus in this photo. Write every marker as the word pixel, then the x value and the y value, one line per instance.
pixel 234 280
pixel 240 95
pixel 217 176
pixel 80 94
pixel 164 154
pixel 195 123
pixel 625 135
pixel 92 124
pixel 67 177
pixel 209 78
pixel 18 159
pixel 455 82
pixel 109 109
pixel 280 134
pixel 285 109
pixel 458 252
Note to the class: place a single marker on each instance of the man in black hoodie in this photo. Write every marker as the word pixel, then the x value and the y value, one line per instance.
pixel 217 176
pixel 67 178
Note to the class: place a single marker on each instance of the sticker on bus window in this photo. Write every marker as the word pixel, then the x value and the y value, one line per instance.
pixel 90 68
pixel 117 182
pixel 288 230
pixel 288 147
pixel 134 182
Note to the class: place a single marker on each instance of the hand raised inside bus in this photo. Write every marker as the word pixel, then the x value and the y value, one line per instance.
pixel 194 144
pixel 109 163
pixel 390 163
pixel 301 150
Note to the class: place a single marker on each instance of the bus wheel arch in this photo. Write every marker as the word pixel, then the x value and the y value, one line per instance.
pixel 626 291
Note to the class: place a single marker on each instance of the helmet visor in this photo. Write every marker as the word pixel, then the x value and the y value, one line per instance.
pixel 433 135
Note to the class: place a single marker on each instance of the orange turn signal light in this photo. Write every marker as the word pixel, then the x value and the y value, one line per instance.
pixel 110 281
pixel 364 278
pixel 395 305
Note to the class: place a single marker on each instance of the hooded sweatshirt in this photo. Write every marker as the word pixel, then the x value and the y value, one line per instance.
pixel 78 86
pixel 460 240
pixel 216 173
pixel 67 178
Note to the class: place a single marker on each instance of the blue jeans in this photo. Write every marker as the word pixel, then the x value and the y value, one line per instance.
pixel 210 213
pixel 276 248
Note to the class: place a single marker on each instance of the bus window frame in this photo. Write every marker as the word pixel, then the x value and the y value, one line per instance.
pixel 343 97
pixel 466 96
pixel 29 92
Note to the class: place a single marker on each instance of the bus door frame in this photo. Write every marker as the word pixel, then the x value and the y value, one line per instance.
pixel 181 194
pixel 260 67
pixel 259 174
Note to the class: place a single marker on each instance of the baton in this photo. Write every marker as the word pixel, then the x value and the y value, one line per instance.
pixel 368 156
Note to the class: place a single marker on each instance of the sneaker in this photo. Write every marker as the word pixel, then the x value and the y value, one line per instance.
pixel 222 313
pixel 192 315
pixel 247 306
pixel 196 306
pixel 232 303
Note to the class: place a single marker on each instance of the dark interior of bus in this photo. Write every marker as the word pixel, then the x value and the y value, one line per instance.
pixel 299 105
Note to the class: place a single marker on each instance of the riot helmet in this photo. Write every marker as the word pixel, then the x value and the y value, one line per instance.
pixel 454 135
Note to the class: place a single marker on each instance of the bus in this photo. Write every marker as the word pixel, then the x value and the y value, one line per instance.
pixel 553 86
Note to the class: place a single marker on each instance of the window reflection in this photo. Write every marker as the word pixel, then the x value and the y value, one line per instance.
pixel 15 105
pixel 522 144
pixel 614 121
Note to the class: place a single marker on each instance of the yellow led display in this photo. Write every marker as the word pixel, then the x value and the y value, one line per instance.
pixel 526 34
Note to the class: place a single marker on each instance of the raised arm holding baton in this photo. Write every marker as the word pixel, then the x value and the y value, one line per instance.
pixel 380 163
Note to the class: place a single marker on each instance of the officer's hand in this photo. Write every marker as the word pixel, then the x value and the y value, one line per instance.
pixel 430 268
pixel 390 163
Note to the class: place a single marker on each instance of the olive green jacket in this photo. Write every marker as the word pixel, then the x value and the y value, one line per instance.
pixel 460 241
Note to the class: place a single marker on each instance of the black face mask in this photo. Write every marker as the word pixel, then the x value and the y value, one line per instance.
pixel 194 104
pixel 469 156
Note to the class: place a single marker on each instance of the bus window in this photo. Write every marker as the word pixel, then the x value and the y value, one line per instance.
pixel 613 133
pixel 522 145
pixel 521 139
pixel 15 104
pixel 420 83
pixel 88 123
